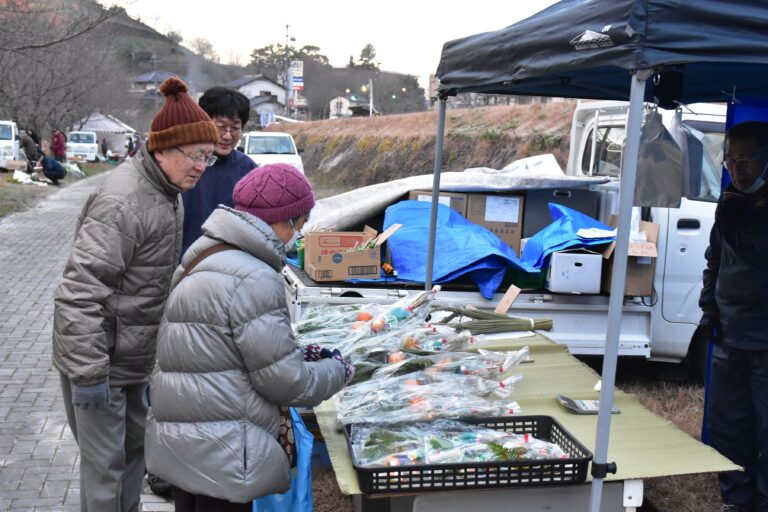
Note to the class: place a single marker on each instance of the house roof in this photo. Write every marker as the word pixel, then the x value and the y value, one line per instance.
pixel 247 79
pixel 155 76
pixel 97 122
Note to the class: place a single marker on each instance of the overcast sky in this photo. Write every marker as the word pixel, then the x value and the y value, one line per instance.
pixel 408 35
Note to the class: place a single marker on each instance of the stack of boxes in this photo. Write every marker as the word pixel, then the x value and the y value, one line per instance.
pixel 513 217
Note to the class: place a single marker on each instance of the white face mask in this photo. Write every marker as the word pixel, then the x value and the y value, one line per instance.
pixel 759 182
pixel 290 245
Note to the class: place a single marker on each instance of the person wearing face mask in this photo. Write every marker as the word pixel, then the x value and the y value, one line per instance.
pixel 227 360
pixel 734 300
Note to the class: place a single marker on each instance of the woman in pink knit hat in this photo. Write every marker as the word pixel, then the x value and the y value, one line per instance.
pixel 227 362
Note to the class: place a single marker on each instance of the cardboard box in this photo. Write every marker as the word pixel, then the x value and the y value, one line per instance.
pixel 501 214
pixel 327 255
pixel 574 271
pixel 15 165
pixel 455 200
pixel 536 214
pixel 641 263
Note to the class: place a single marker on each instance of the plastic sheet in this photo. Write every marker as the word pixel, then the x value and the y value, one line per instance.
pixel 424 395
pixel 463 247
pixel 564 233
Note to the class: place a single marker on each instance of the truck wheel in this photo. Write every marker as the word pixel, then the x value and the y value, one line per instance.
pixel 696 360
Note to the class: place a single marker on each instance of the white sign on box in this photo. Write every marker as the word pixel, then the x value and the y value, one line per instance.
pixel 502 209
pixel 446 200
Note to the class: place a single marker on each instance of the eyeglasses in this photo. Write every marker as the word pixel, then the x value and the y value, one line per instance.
pixel 297 222
pixel 731 163
pixel 208 160
pixel 234 132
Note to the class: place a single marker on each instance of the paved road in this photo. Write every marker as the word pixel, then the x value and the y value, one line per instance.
pixel 38 455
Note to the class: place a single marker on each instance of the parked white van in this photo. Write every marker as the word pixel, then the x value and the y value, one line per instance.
pixel 9 142
pixel 271 148
pixel 82 146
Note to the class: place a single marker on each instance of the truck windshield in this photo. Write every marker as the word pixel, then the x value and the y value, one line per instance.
pixel 6 133
pixel 270 146
pixel 82 138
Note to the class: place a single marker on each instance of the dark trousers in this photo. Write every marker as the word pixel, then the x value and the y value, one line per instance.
pixel 737 419
pixel 188 502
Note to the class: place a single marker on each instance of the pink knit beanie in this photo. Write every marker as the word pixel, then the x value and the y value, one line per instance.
pixel 274 193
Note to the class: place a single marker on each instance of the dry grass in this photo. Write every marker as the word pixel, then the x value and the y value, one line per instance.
pixel 16 197
pixel 681 403
pixel 514 119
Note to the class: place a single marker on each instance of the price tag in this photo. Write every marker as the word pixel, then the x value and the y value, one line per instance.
pixel 506 301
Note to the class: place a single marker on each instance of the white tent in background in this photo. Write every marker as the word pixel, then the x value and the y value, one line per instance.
pixel 106 127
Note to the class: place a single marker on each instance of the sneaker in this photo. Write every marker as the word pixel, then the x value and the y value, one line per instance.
pixel 159 486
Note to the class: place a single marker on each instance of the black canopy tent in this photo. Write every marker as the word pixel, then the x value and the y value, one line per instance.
pixel 664 51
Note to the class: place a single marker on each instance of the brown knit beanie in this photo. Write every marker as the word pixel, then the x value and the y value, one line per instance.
pixel 181 120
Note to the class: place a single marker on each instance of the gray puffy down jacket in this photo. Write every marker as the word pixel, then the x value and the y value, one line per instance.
pixel 226 359
pixel 108 306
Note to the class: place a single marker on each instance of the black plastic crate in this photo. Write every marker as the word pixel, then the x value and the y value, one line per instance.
pixel 483 475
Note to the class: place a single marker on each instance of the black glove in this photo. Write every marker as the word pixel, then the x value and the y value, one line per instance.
pixel 93 396
pixel 710 326
pixel 315 353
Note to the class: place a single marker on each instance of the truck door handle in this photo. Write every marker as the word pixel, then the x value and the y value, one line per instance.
pixel 688 224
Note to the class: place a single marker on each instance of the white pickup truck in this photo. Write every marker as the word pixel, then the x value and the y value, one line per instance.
pixel 660 327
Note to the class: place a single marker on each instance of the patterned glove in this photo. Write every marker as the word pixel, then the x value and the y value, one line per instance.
pixel 710 324
pixel 312 352
pixel 349 370
pixel 93 396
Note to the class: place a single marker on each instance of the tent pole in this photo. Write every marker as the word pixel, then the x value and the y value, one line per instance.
pixel 435 191
pixel 600 465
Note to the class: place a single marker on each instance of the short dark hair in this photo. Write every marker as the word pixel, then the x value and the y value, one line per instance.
pixel 223 101
pixel 755 131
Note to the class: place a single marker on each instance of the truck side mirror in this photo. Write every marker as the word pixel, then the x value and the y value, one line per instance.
pixel 299 150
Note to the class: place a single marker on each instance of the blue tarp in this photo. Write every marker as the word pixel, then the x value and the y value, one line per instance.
pixel 562 234
pixel 461 247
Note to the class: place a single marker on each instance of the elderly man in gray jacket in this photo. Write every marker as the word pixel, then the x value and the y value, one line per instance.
pixel 110 301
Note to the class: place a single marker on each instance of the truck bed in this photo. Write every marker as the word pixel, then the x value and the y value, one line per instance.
pixel 579 320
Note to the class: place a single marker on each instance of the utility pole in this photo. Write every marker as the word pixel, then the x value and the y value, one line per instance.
pixel 286 66
pixel 370 97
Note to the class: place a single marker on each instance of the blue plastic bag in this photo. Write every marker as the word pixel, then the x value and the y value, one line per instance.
pixel 562 234
pixel 461 247
pixel 299 497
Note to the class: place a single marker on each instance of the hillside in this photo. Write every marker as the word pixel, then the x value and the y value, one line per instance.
pixel 361 151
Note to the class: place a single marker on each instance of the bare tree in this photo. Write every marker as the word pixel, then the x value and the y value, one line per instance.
pixel 174 36
pixel 56 71
pixel 204 48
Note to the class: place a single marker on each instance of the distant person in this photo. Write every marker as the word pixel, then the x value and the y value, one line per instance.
pixel 32 133
pixel 51 169
pixel 29 146
pixel 734 300
pixel 108 307
pixel 59 146
pixel 130 149
pixel 229 109
pixel 104 148
pixel 227 359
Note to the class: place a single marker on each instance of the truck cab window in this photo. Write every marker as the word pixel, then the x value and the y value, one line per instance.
pixel 610 141
pixel 708 167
